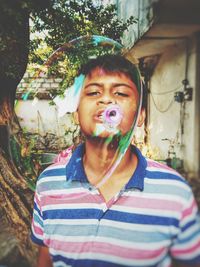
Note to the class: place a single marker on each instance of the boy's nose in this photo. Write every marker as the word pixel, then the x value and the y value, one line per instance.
pixel 106 100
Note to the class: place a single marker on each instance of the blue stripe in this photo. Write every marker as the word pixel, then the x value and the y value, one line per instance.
pixel 138 218
pixel 164 175
pixel 37 209
pixel 110 215
pixel 191 263
pixel 92 263
pixel 36 240
pixel 52 172
pixel 189 238
pixel 189 224
pixel 73 214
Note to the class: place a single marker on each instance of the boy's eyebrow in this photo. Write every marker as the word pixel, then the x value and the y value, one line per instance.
pixel 93 84
pixel 114 85
pixel 122 84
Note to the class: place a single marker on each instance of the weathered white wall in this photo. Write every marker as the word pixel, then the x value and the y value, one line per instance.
pixel 142 10
pixel 168 76
pixel 42 118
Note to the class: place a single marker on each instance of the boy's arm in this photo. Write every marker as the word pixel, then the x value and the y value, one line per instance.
pixel 44 259
pixel 186 247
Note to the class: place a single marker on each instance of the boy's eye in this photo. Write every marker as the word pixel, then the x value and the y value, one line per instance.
pixel 121 94
pixel 92 93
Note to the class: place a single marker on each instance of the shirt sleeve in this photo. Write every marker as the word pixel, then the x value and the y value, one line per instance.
pixel 37 229
pixel 186 246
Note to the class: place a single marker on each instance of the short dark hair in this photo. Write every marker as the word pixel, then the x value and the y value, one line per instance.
pixel 117 64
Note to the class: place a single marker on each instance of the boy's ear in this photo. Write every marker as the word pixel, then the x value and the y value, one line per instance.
pixel 142 117
pixel 75 117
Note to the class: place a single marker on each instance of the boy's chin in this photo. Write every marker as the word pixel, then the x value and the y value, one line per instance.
pixel 102 132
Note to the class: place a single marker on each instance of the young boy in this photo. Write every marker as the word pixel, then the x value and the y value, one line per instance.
pixel 144 214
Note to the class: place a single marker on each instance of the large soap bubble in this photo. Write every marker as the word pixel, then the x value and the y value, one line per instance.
pixel 65 63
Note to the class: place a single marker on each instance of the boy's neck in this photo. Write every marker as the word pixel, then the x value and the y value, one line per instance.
pixel 100 156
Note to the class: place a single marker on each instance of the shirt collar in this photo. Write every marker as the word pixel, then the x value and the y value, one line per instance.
pixel 75 169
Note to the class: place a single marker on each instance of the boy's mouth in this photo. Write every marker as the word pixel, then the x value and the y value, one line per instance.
pixel 99 116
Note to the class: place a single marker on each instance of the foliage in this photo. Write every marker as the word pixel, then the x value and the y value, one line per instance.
pixel 65 20
pixel 21 150
pixel 14 37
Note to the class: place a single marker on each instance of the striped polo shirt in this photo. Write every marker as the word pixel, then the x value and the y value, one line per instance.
pixel 151 221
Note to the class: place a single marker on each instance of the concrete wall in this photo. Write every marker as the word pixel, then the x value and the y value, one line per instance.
pixel 142 10
pixel 167 118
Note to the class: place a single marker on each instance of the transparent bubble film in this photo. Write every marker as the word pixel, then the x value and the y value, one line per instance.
pixel 65 63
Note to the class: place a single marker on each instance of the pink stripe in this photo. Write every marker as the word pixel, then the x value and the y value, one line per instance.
pixel 190 210
pixel 192 249
pixel 125 201
pixel 104 248
pixel 37 230
pixel 138 202
pixel 75 198
pixel 161 166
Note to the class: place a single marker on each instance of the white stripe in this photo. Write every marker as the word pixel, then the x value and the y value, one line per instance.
pixel 189 217
pixel 189 244
pixel 188 256
pixel 71 222
pixel 60 264
pixel 71 206
pixel 190 231
pixel 156 196
pixel 35 212
pixel 66 191
pixel 172 230
pixel 168 182
pixel 140 227
pixel 186 220
pixel 51 179
pixel 56 166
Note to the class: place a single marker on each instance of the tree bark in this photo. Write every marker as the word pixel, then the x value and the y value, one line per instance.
pixel 16 199
pixel 16 204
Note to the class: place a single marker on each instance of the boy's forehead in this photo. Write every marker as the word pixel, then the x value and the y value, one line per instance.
pixel 100 75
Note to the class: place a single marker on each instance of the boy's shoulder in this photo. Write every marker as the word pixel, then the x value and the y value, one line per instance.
pixel 161 174
pixel 162 170
pixel 157 170
pixel 57 170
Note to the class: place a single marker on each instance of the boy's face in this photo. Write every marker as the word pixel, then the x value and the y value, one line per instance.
pixel 101 89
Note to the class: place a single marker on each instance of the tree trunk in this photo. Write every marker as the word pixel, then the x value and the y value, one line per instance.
pixel 16 205
pixel 16 199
